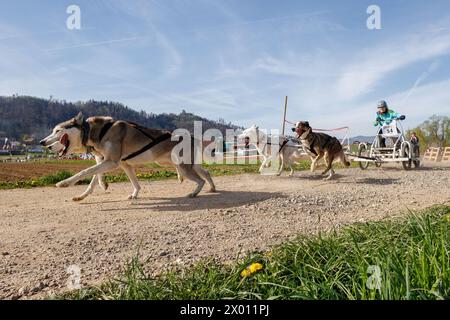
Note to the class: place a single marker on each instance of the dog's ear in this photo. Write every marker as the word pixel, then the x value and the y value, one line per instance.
pixel 79 118
pixel 307 124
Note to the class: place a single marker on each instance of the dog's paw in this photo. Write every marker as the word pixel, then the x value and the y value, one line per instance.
pixel 62 184
pixel 212 190
pixel 104 185
pixel 76 199
pixel 191 195
pixel 132 197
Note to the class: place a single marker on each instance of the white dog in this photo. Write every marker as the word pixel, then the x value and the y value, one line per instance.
pixel 273 148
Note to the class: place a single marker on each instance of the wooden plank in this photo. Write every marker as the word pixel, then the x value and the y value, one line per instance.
pixel 446 155
pixel 432 154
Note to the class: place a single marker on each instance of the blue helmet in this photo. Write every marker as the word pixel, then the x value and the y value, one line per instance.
pixel 382 104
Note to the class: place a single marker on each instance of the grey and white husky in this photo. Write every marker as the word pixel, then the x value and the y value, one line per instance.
pixel 119 144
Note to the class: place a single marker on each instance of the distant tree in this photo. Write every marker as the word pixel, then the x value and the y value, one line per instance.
pixel 31 116
pixel 434 132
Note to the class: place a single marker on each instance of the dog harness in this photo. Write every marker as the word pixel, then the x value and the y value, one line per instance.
pixel 86 128
pixel 282 145
pixel 310 148
pixel 154 141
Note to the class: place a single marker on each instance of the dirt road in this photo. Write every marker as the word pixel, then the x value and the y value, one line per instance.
pixel 42 232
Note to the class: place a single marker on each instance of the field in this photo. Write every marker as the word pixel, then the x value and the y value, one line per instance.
pixel 44 232
pixel 18 171
pixel 45 173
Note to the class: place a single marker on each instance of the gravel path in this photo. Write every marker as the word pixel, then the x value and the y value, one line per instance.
pixel 42 232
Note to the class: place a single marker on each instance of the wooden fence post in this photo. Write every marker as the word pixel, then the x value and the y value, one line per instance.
pixel 284 115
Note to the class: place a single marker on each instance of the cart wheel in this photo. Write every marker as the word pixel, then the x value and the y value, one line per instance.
pixel 406 164
pixel 362 151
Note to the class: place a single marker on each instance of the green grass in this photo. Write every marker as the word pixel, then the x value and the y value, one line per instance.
pixel 160 174
pixel 14 157
pixel 412 253
pixel 40 182
pixel 52 179
pixel 66 161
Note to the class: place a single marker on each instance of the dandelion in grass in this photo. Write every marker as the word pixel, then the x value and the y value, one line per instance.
pixel 447 218
pixel 251 269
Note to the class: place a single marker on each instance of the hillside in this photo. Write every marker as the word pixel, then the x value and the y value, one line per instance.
pixel 22 116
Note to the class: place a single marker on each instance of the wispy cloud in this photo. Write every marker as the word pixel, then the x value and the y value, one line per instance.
pixel 149 12
pixel 379 61
pixel 175 61
pixel 226 59
pixel 94 44
pixel 431 68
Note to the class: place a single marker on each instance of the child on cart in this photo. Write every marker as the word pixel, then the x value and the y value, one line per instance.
pixel 384 117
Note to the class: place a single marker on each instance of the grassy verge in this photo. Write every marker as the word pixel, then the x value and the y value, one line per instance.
pixel 52 179
pixel 412 255
pixel 160 173
pixel 40 182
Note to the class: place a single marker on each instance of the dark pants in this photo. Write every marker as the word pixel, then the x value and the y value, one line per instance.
pixel 416 151
pixel 381 140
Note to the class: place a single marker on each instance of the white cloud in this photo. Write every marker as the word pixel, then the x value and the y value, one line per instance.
pixel 426 100
pixel 240 70
pixel 431 68
pixel 377 62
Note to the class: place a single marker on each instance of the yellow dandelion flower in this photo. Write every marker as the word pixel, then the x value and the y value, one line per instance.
pixel 447 217
pixel 251 269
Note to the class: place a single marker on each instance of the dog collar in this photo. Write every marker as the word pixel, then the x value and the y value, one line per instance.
pixel 305 134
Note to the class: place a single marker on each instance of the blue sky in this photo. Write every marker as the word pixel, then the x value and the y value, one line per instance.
pixel 234 59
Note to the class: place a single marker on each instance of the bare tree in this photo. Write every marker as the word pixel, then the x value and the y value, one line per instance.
pixel 434 132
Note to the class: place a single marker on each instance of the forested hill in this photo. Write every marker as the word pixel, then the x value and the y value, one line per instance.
pixel 22 116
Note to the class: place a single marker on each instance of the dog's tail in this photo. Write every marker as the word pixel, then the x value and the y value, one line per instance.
pixel 343 159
